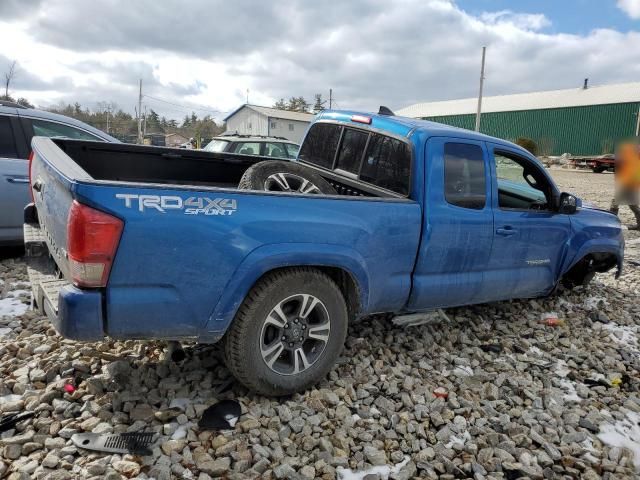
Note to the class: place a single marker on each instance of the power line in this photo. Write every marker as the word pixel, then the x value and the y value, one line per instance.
pixel 187 107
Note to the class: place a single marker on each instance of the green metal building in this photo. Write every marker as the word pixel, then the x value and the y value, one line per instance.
pixel 584 121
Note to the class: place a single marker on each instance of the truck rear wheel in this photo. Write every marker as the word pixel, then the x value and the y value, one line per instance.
pixel 279 176
pixel 288 332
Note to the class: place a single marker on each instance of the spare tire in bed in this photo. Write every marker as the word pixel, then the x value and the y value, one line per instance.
pixel 279 176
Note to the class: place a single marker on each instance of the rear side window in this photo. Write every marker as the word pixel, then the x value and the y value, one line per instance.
pixel 387 164
pixel 247 148
pixel 351 150
pixel 43 128
pixel 464 177
pixel 320 144
pixel 7 140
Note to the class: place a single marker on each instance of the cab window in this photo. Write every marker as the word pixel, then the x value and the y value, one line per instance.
pixel 521 184
pixel 320 145
pixel 43 128
pixel 464 176
pixel 387 164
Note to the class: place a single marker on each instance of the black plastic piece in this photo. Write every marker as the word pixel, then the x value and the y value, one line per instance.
pixel 221 416
pixel 10 421
pixel 385 111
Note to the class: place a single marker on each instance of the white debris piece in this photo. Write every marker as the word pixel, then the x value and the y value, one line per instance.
pixel 383 471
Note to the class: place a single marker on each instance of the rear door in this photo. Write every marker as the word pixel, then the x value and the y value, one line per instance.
pixel 14 179
pixel 457 225
pixel 530 236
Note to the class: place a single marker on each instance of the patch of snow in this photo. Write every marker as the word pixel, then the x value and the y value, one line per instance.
pixel 569 387
pixel 593 303
pixel 565 303
pixel 624 433
pixel 383 471
pixel 458 440
pixel 623 335
pixel 12 305
pixel 562 370
pixel 633 241
pixel 570 391
pixel 535 351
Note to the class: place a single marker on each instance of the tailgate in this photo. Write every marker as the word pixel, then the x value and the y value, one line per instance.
pixel 53 176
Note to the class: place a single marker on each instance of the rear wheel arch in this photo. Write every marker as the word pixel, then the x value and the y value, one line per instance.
pixel 268 362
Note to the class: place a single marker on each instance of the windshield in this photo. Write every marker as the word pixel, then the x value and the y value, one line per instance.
pixel 216 146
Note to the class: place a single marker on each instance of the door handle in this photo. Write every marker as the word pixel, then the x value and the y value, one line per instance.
pixel 17 180
pixel 506 231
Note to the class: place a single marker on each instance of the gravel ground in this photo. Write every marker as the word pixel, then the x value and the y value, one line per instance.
pixel 525 400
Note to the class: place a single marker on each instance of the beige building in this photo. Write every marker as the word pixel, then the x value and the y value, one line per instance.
pixel 174 139
pixel 271 122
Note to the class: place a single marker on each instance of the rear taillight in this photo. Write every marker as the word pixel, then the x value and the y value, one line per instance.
pixel 31 184
pixel 92 240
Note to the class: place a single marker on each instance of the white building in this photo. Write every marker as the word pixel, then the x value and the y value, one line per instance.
pixel 255 120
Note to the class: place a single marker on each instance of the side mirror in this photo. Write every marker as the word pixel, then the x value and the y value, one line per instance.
pixel 568 203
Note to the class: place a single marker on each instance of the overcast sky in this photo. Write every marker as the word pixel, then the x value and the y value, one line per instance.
pixel 207 53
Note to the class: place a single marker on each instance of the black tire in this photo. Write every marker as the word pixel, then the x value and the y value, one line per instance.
pixel 243 342
pixel 274 175
pixel 598 169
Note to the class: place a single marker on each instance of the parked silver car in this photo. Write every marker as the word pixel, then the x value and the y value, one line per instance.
pixel 18 125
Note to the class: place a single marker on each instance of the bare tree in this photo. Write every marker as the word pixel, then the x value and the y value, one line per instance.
pixel 8 77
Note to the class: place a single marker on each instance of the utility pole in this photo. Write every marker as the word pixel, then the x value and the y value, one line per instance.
pixel 144 130
pixel 247 96
pixel 330 98
pixel 479 112
pixel 140 115
pixel 108 111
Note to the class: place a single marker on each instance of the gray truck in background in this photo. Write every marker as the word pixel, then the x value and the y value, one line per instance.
pixel 18 125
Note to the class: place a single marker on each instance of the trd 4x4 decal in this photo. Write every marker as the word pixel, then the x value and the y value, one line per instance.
pixel 190 206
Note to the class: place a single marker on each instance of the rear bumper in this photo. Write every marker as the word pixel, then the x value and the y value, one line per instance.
pixel 75 313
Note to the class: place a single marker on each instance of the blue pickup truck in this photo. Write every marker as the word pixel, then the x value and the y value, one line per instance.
pixel 378 214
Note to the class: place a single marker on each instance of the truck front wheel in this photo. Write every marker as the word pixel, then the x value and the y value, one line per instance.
pixel 288 332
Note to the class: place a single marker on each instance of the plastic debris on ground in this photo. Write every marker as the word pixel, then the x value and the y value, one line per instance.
pixel 135 442
pixel 440 392
pixel 624 433
pixel 221 416
pixel 381 472
pixel 9 421
pixel 551 320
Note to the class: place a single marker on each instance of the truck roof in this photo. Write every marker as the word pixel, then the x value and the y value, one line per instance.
pixel 403 126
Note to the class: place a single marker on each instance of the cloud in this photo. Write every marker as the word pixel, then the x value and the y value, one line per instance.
pixel 370 52
pixel 524 21
pixel 10 9
pixel 630 7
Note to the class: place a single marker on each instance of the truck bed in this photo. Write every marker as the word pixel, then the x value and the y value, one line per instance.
pixel 141 163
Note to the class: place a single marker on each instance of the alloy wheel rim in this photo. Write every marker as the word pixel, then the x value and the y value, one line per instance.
pixel 289 182
pixel 294 334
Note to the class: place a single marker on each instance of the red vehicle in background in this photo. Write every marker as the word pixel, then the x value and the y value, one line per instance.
pixel 603 163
